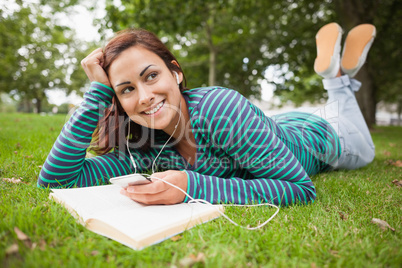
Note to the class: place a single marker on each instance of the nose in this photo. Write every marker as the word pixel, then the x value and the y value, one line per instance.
pixel 146 97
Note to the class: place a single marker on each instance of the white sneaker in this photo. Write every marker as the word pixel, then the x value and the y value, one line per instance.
pixel 357 45
pixel 328 40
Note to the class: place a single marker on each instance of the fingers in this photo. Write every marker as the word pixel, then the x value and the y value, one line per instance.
pixel 150 188
pixel 96 51
pixel 150 199
pixel 93 67
pixel 156 186
pixel 159 192
pixel 163 174
pixel 94 58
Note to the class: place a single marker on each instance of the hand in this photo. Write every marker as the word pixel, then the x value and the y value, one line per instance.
pixel 159 192
pixel 93 67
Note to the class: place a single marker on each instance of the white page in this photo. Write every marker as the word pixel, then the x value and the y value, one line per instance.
pixel 141 222
pixel 88 201
pixel 137 221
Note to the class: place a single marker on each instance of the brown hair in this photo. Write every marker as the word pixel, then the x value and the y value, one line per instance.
pixel 111 127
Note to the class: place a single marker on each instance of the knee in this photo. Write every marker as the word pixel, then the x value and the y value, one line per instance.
pixel 367 156
pixel 371 154
pixel 356 159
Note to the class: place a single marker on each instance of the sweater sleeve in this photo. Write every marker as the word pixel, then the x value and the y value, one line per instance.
pixel 274 174
pixel 66 165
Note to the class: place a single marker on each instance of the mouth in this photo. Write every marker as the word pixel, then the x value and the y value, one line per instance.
pixel 155 109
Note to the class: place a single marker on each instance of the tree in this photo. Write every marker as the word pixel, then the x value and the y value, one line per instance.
pixel 232 43
pixel 382 74
pixel 38 53
pixel 229 43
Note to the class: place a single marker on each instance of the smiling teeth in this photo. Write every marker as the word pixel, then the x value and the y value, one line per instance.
pixel 154 110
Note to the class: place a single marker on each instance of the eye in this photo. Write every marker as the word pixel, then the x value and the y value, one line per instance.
pixel 151 76
pixel 127 90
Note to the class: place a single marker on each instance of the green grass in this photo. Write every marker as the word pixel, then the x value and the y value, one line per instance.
pixel 303 236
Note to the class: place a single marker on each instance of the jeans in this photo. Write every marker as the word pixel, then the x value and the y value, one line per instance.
pixel 344 115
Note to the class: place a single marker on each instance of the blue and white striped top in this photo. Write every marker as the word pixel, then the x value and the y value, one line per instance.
pixel 242 155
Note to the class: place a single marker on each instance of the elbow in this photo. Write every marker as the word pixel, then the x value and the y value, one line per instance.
pixel 311 195
pixel 43 185
pixel 48 181
pixel 43 182
pixel 312 199
pixel 307 196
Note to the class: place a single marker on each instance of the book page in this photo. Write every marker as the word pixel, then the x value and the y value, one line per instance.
pixel 89 201
pixel 143 222
pixel 105 211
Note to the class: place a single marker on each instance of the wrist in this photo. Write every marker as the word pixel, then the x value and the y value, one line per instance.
pixel 99 92
pixel 188 179
pixel 106 85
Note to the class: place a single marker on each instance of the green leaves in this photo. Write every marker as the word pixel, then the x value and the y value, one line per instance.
pixel 228 43
pixel 37 52
pixel 233 42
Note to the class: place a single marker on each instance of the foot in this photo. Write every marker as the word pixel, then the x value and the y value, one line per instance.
pixel 328 40
pixel 357 45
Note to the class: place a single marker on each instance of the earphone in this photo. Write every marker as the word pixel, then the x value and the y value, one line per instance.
pixel 191 199
pixel 175 127
pixel 129 131
pixel 177 78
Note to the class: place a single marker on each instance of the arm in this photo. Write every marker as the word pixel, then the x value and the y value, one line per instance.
pixel 66 165
pixel 276 176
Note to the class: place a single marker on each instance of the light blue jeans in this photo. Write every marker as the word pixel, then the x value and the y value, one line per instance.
pixel 344 115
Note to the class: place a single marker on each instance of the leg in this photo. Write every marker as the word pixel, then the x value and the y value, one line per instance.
pixel 342 110
pixel 344 114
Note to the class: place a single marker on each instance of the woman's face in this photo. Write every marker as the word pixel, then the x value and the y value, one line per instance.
pixel 146 88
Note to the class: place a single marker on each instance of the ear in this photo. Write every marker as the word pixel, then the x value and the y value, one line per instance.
pixel 178 72
pixel 175 63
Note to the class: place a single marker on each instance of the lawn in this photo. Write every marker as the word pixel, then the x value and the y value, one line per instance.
pixel 334 231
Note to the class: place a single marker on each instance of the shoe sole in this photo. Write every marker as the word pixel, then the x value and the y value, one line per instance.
pixel 357 45
pixel 328 41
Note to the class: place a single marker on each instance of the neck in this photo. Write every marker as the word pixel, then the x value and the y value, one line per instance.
pixel 183 134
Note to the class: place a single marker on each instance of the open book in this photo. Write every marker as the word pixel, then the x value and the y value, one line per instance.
pixel 103 210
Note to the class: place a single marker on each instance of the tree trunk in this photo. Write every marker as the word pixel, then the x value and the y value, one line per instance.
pixel 212 48
pixel 366 96
pixel 38 105
pixel 212 68
pixel 352 13
pixel 399 110
pixel 27 105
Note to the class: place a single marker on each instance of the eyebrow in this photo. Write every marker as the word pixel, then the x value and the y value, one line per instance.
pixel 146 68
pixel 127 82
pixel 141 74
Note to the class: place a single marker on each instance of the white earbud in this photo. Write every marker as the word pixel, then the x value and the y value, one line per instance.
pixel 177 78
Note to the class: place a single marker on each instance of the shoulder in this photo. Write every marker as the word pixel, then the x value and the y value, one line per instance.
pixel 201 92
pixel 206 99
pixel 196 95
pixel 220 108
pixel 298 117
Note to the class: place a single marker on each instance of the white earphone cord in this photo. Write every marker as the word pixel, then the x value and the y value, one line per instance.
pixel 200 201
pixel 153 163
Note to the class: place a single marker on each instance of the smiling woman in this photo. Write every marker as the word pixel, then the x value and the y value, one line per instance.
pixel 210 142
pixel 147 91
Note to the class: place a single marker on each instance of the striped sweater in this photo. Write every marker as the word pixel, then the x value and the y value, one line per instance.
pixel 242 155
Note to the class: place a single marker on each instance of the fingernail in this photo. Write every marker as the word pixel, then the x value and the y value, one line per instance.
pixel 130 189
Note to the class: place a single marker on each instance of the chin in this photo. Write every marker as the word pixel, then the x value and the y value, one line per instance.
pixel 161 126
